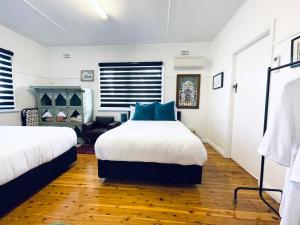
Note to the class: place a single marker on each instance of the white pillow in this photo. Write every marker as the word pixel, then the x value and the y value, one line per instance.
pixel 132 111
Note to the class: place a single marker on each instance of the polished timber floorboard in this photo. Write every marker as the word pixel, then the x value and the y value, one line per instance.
pixel 79 197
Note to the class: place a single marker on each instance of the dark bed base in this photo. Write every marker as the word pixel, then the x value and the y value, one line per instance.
pixel 25 185
pixel 145 171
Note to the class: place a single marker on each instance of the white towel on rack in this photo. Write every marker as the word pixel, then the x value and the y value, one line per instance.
pixel 281 144
pixel 290 203
pixel 289 209
pixel 295 168
pixel 281 139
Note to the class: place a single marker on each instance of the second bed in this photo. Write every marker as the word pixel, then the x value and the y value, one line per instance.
pixel 30 157
pixel 161 151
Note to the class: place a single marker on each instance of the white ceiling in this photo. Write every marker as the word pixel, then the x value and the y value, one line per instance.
pixel 75 22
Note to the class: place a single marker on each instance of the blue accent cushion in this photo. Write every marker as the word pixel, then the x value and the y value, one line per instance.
pixel 144 111
pixel 164 111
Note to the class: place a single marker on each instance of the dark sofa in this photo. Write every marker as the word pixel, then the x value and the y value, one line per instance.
pixel 92 130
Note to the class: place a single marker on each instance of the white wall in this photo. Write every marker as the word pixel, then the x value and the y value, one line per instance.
pixel 253 18
pixel 67 71
pixel 29 68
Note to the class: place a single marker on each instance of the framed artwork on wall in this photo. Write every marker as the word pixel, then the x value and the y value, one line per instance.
pixel 218 80
pixel 87 75
pixel 295 51
pixel 188 91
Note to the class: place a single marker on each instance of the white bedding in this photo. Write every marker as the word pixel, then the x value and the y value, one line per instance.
pixel 151 141
pixel 24 148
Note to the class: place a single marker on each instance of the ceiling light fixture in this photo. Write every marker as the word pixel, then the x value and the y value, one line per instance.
pixel 96 4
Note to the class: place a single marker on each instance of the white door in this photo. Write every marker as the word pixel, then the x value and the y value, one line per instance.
pixel 251 78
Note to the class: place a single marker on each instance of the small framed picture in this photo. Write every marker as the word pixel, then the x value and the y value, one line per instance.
pixel 87 75
pixel 218 80
pixel 188 91
pixel 295 50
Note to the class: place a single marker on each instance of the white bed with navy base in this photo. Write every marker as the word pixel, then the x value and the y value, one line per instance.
pixel 161 151
pixel 151 141
pixel 30 157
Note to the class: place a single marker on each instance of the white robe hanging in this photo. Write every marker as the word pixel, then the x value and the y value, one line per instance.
pixel 281 144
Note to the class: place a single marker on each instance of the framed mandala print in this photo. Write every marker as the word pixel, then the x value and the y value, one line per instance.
pixel 188 91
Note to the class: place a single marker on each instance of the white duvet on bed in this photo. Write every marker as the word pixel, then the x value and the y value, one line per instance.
pixel 151 141
pixel 24 148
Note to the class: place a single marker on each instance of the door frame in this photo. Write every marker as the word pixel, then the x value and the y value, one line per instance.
pixel 270 30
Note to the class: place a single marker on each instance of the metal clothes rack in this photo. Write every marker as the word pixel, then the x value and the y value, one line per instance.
pixel 260 188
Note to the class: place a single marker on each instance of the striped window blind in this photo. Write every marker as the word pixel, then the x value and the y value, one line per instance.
pixel 124 84
pixel 7 101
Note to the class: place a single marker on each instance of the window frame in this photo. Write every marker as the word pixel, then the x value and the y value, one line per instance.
pixel 13 108
pixel 122 109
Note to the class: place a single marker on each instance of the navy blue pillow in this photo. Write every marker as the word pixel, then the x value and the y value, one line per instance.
pixel 164 111
pixel 144 111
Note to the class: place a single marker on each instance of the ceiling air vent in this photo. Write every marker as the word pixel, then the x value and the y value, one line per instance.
pixel 184 52
pixel 66 56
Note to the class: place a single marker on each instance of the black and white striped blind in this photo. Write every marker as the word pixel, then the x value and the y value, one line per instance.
pixel 7 101
pixel 124 84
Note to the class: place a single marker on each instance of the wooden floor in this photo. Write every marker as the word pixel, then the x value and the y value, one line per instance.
pixel 79 197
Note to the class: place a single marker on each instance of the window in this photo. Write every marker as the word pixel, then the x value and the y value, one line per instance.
pixel 124 84
pixel 7 101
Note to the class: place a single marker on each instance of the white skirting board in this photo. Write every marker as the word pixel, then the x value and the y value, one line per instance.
pixel 216 147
